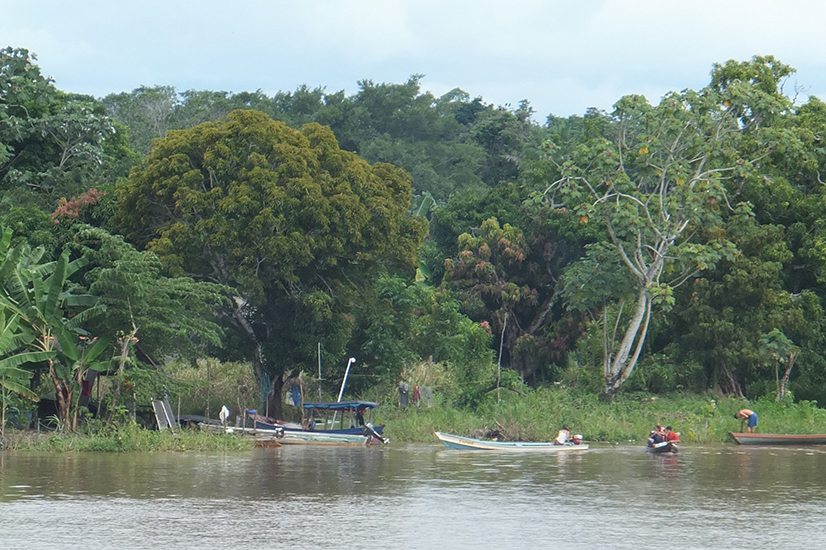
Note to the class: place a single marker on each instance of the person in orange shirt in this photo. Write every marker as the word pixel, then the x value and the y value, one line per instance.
pixel 671 435
pixel 747 414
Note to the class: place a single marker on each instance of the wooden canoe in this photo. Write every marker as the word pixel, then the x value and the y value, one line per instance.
pixel 469 444
pixel 778 439
pixel 664 447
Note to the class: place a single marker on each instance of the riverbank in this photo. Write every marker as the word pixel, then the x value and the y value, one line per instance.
pixel 125 438
pixel 536 415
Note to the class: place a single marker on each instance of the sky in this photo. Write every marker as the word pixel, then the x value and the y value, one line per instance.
pixel 563 56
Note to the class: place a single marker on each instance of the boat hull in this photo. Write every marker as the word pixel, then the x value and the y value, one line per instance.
pixel 279 437
pixel 469 444
pixel 324 438
pixel 261 425
pixel 778 439
pixel 664 447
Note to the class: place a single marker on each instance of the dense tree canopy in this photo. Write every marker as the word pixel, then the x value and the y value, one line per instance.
pixel 673 244
pixel 52 144
pixel 659 185
pixel 292 222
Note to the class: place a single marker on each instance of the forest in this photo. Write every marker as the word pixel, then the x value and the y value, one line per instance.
pixel 673 245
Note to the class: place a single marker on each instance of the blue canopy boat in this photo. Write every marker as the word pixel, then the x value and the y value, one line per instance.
pixel 341 417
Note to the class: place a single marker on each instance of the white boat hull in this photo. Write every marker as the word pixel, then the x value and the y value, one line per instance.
pixel 470 444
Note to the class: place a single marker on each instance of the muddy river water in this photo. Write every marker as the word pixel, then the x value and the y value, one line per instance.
pixel 416 496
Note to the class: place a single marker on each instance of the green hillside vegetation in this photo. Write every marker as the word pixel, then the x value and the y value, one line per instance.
pixel 215 247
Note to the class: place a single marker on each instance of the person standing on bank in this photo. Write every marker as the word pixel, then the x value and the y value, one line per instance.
pixel 747 414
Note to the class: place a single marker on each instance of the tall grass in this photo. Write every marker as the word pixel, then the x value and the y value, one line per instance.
pixel 538 416
pixel 206 386
pixel 127 438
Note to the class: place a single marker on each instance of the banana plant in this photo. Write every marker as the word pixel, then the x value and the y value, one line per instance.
pixel 14 338
pixel 38 294
pixel 75 362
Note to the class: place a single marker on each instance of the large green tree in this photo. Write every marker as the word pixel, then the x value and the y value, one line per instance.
pixel 52 144
pixel 293 223
pixel 659 185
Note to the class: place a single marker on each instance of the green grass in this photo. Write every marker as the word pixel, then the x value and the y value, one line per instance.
pixel 532 415
pixel 538 416
pixel 127 438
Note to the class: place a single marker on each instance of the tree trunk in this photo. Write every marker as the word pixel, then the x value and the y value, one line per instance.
pixel 784 381
pixel 622 365
pixel 274 398
pixel 3 420
pixel 124 357
pixel 64 399
pixel 273 403
pixel 79 374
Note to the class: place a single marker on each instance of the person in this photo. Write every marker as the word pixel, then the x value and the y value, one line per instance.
pixel 749 415
pixel 360 417
pixel 371 431
pixel 310 425
pixel 671 435
pixel 657 435
pixel 564 436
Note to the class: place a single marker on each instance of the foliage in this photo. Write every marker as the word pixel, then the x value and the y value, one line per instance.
pixel 408 323
pixel 447 144
pixel 289 220
pixel 658 187
pixel 499 282
pixel 40 296
pixel 538 414
pixel 52 144
pixel 703 211
pixel 128 437
pixel 174 316
pixel 13 379
pixel 209 384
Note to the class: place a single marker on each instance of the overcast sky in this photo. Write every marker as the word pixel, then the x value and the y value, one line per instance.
pixel 563 56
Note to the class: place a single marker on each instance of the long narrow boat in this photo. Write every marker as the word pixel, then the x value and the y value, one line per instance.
pixel 468 443
pixel 778 439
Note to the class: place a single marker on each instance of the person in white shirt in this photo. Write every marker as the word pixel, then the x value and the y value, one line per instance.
pixel 564 435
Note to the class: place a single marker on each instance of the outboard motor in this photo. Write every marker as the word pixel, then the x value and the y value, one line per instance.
pixel 370 431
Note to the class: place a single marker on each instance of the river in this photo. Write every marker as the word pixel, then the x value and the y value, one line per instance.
pixel 415 496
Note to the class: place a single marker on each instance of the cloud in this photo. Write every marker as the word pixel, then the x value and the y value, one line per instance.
pixel 563 56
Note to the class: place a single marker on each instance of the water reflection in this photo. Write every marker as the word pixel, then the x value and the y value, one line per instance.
pixel 406 496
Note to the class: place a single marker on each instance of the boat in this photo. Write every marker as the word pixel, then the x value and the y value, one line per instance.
pixel 325 438
pixel 263 438
pixel 342 418
pixel 323 417
pixel 468 443
pixel 746 438
pixel 278 437
pixel 662 447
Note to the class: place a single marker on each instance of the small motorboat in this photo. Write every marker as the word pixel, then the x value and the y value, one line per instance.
pixel 470 444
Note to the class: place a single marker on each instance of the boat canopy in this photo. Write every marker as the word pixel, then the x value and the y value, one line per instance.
pixel 342 406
